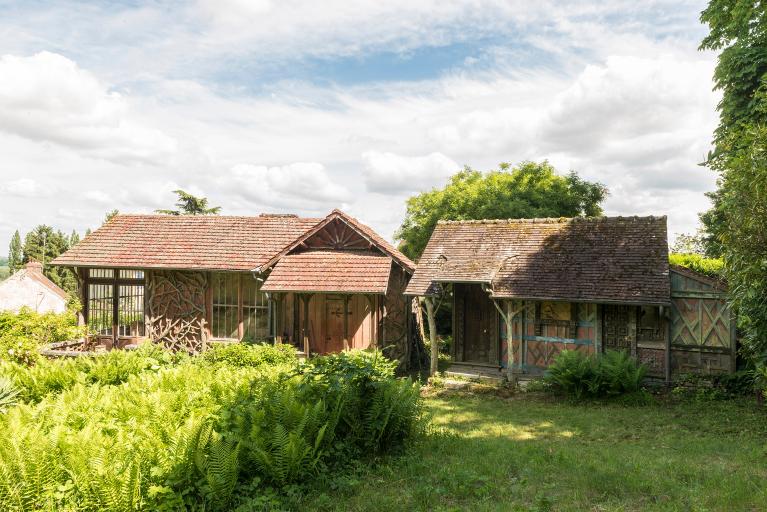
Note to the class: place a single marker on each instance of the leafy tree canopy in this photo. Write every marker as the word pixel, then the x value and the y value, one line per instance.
pixel 44 244
pixel 738 30
pixel 744 239
pixel 689 244
pixel 111 215
pixel 737 223
pixel 528 190
pixel 15 253
pixel 188 204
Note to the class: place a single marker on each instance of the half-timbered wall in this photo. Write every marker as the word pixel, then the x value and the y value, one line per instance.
pixel 544 329
pixel 702 327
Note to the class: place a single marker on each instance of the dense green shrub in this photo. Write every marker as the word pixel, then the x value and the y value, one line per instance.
pixel 712 267
pixel 374 409
pixel 243 354
pixel 147 430
pixel 608 375
pixel 23 333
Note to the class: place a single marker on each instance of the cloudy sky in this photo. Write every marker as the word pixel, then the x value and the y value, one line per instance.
pixel 292 106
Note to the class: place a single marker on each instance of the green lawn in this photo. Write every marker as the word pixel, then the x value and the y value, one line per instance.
pixel 488 453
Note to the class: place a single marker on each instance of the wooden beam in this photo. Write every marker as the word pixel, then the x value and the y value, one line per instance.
pixel 209 305
pixel 598 330
pixel 240 323
pixel 346 322
pixel 667 356
pixel 306 299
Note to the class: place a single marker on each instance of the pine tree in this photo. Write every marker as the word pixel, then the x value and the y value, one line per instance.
pixel 15 255
pixel 188 204
pixel 74 238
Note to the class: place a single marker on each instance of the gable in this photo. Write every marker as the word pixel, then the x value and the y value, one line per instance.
pixel 338 235
pixel 339 231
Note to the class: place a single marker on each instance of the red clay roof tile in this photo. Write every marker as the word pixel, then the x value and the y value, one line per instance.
pixel 326 270
pixel 186 242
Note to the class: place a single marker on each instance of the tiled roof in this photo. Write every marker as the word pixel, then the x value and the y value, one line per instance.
pixel 327 270
pixel 363 229
pixel 186 242
pixel 601 259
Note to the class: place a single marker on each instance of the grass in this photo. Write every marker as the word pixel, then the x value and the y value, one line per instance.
pixel 535 453
pixel 5 272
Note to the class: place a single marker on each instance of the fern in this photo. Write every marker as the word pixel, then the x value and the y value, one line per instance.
pixel 9 394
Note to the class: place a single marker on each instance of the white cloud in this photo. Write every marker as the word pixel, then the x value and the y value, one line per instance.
pixel 300 184
pixel 47 97
pixel 390 173
pixel 24 187
pixel 619 94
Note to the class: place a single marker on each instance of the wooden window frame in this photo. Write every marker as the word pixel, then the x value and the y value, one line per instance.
pixel 115 281
pixel 239 279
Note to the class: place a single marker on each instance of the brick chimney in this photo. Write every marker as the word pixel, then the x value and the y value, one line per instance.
pixel 34 266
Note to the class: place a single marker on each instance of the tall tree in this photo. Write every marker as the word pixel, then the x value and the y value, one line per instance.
pixel 15 253
pixel 188 204
pixel 44 244
pixel 74 238
pixel 738 30
pixel 110 215
pixel 526 191
pixel 738 219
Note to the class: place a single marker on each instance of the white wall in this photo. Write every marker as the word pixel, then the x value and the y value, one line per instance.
pixel 23 290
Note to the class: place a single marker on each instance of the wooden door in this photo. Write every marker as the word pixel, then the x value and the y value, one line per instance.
pixel 334 324
pixel 480 344
pixel 617 331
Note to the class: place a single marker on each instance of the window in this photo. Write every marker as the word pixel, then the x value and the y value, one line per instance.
pixel 115 302
pixel 225 322
pixel 131 310
pixel 238 298
pixel 100 308
pixel 255 311
pixel 649 324
pixel 555 319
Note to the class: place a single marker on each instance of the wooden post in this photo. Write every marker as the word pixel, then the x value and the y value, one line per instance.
pixel 433 367
pixel 306 299
pixel 508 318
pixel 598 330
pixel 373 321
pixel 346 323
pixel 240 323
pixel 667 359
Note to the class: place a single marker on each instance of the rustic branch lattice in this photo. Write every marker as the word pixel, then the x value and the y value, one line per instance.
pixel 176 308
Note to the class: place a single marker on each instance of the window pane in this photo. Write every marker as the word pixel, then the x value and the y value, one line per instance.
pixel 100 308
pixel 558 311
pixel 131 274
pixel 102 273
pixel 256 323
pixel 225 322
pixel 131 311
pixel 252 294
